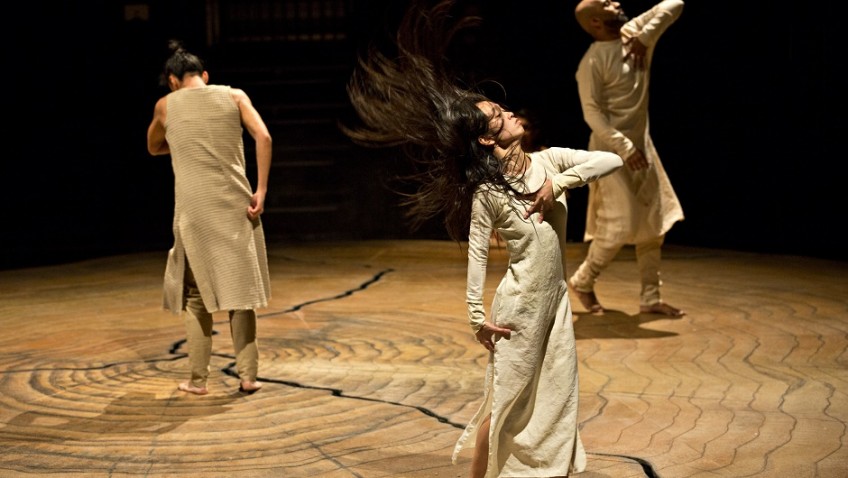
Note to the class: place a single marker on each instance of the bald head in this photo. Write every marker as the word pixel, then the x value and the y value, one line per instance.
pixel 602 20
pixel 587 10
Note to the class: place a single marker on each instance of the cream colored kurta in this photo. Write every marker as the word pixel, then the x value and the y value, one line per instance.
pixel 226 250
pixel 531 379
pixel 629 206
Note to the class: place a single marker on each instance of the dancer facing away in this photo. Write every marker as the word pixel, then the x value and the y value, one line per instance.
pixel 635 205
pixel 218 260
pixel 474 174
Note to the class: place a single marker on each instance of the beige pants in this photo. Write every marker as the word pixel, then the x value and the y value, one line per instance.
pixel 198 324
pixel 601 254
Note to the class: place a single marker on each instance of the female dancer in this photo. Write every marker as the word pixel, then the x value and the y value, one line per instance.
pixel 472 172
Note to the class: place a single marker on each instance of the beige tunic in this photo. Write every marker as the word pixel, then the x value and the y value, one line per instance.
pixel 629 206
pixel 226 250
pixel 531 379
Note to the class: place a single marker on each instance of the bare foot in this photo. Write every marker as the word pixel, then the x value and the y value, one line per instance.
pixel 661 308
pixel 589 301
pixel 188 387
pixel 249 387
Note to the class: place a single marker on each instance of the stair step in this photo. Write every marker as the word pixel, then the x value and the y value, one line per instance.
pixel 257 72
pixel 320 184
pixel 301 209
pixel 282 54
pixel 299 110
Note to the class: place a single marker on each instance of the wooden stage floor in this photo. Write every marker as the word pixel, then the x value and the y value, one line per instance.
pixel 370 369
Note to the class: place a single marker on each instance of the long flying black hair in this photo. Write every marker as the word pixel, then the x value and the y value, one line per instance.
pixel 409 100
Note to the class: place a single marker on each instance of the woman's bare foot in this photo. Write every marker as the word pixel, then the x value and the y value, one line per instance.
pixel 589 301
pixel 188 387
pixel 249 387
pixel 661 308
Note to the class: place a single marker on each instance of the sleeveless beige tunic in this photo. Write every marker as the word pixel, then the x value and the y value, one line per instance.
pixel 225 249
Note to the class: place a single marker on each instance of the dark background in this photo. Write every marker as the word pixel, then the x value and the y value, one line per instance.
pixel 745 114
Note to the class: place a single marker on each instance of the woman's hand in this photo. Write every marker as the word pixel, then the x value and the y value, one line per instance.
pixel 543 200
pixel 489 334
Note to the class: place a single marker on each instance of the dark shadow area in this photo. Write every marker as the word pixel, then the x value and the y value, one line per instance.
pixel 614 324
pixel 131 412
pixel 744 127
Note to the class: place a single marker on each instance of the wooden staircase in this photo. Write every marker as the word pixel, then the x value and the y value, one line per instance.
pixel 294 66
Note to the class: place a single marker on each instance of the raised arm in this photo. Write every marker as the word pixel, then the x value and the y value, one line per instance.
pixel 650 25
pixel 577 168
pixel 580 167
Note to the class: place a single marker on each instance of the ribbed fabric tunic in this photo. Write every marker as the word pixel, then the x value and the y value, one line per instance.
pixel 225 249
pixel 531 379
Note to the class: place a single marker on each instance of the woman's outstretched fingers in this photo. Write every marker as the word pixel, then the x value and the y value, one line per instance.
pixel 489 334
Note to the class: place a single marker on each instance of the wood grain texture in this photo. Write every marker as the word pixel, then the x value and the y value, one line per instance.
pixel 370 369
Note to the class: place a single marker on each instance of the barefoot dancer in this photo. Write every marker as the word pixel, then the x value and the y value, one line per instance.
pixel 474 175
pixel 218 261
pixel 636 204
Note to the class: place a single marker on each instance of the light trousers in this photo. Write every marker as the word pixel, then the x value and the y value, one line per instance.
pixel 601 253
pixel 198 324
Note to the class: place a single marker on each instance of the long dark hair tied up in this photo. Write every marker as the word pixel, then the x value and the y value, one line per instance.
pixel 180 62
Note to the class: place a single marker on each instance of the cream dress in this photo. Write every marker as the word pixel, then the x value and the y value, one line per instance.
pixel 211 191
pixel 531 378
